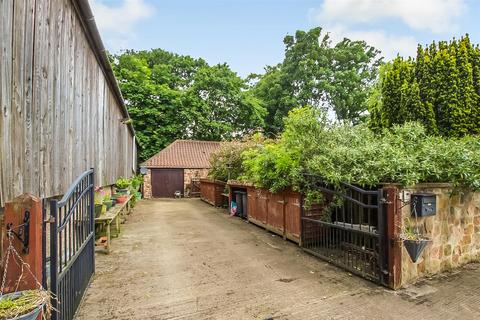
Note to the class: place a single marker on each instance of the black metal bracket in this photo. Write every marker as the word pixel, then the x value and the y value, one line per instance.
pixel 23 233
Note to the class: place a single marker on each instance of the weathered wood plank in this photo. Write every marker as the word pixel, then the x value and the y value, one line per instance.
pixel 18 98
pixel 28 181
pixel 58 113
pixel 6 32
pixel 72 43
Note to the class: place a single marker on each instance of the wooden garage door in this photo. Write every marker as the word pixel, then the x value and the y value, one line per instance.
pixel 166 181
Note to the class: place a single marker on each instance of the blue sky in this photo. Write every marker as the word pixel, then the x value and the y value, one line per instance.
pixel 248 34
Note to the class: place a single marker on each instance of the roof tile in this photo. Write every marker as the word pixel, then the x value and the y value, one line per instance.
pixel 191 154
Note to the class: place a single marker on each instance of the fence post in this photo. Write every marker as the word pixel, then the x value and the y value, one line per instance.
pixel 24 216
pixel 92 214
pixel 393 235
pixel 54 257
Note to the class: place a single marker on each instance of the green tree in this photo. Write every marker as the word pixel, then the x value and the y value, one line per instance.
pixel 317 73
pixel 274 97
pixel 170 96
pixel 439 89
pixel 155 108
pixel 219 107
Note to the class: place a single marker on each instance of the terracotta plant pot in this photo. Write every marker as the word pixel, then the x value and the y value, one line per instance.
pixel 121 198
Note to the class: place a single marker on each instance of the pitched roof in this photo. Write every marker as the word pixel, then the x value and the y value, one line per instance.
pixel 191 154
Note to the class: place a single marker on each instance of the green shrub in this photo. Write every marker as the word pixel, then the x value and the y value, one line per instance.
pixel 136 181
pixel 271 165
pixel 405 154
pixel 227 161
pixel 439 88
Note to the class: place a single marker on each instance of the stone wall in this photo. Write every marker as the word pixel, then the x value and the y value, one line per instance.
pixel 454 231
pixel 147 185
pixel 189 174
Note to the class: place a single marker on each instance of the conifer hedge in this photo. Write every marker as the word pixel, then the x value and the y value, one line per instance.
pixel 440 88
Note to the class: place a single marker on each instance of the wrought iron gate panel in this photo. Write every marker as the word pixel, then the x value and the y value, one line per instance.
pixel 348 230
pixel 72 245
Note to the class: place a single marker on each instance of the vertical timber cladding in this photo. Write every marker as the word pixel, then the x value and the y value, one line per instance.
pixel 165 182
pixel 349 230
pixel 59 115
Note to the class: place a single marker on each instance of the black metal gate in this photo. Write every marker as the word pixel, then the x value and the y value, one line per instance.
pixel 72 246
pixel 348 229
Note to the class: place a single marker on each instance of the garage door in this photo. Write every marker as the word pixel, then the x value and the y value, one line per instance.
pixel 166 181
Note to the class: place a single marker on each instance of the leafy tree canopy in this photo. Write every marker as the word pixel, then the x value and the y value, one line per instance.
pixel 170 96
pixel 335 77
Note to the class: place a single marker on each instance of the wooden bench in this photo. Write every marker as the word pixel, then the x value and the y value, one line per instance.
pixel 112 216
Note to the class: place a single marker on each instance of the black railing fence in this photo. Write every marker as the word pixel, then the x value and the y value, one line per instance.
pixel 72 245
pixel 347 228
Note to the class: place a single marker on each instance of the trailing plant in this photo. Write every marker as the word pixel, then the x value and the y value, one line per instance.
pixel 16 306
pixel 410 231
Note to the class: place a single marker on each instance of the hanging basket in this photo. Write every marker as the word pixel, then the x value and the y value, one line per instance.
pixel 415 248
pixel 31 314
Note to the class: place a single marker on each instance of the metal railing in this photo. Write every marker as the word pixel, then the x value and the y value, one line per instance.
pixel 348 229
pixel 72 246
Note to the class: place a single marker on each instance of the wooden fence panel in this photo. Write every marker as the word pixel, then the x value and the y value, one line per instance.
pixel 293 212
pixel 211 192
pixel 276 213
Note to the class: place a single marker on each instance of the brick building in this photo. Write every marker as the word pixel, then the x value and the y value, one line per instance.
pixel 173 168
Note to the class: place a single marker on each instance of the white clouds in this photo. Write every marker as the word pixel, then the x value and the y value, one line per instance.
pixel 429 15
pixel 117 23
pixel 390 45
pixel 377 21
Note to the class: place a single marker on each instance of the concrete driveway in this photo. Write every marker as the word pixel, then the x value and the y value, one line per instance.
pixel 183 259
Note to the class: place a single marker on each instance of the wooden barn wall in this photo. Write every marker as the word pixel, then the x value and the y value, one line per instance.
pixel 58 115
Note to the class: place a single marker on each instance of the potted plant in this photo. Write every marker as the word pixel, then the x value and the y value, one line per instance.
pixel 138 195
pixel 23 305
pixel 136 181
pixel 413 241
pixel 121 198
pixel 99 206
pixel 122 185
pixel 107 201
